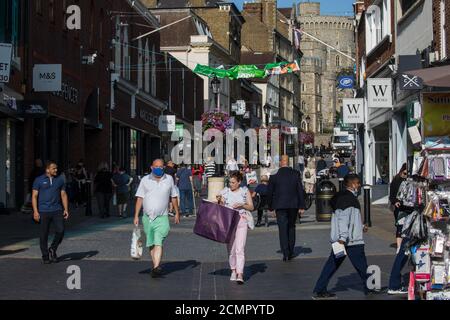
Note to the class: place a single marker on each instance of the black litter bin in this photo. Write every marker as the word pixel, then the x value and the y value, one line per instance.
pixel 325 191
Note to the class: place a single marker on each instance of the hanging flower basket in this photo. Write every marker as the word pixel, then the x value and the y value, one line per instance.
pixel 216 120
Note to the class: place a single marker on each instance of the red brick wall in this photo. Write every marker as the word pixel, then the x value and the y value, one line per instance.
pixel 437 23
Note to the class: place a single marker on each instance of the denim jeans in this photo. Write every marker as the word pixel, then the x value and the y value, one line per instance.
pixel 395 279
pixel 186 202
pixel 357 257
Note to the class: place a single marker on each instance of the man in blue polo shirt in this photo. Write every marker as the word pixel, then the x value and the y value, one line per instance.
pixel 50 204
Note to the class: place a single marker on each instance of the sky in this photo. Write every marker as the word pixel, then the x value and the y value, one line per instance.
pixel 328 7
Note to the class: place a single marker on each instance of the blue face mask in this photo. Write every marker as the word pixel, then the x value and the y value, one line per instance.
pixel 159 172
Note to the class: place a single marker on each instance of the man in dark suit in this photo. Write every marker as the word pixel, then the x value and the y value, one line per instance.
pixel 285 196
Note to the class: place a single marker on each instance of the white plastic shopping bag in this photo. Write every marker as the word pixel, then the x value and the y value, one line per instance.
pixel 136 244
pixel 114 199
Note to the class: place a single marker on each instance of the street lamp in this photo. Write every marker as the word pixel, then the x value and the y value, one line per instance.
pixel 308 121
pixel 215 86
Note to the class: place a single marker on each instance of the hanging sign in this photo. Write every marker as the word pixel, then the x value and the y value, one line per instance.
pixel 5 61
pixel 379 92
pixel 47 77
pixel 346 82
pixel 436 114
pixel 353 111
pixel 408 82
pixel 167 123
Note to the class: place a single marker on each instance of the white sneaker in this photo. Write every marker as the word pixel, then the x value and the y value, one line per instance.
pixel 233 276
pixel 397 292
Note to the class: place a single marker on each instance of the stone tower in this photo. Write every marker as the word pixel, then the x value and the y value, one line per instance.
pixel 321 66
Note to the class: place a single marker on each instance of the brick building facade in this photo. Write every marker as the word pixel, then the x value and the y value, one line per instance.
pixel 108 108
pixel 441 28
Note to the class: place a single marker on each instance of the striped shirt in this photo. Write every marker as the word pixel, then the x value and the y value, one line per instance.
pixel 210 169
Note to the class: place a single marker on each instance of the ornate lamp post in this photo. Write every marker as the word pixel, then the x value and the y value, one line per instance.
pixel 215 86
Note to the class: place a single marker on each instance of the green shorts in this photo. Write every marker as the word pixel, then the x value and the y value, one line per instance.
pixel 157 230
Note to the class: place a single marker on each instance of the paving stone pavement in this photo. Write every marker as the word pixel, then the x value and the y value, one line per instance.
pixel 195 268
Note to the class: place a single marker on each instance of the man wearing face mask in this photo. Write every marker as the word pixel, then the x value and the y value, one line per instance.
pixel 347 229
pixel 153 194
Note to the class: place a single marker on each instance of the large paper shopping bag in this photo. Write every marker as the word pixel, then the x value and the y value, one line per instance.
pixel 216 222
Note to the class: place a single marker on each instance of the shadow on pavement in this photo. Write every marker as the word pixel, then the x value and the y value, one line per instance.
pixel 347 282
pixel 77 256
pixel 10 252
pixel 299 251
pixel 249 271
pixel 171 267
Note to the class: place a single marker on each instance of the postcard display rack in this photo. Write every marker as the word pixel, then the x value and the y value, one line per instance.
pixel 427 226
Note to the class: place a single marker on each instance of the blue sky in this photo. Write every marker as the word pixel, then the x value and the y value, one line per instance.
pixel 332 7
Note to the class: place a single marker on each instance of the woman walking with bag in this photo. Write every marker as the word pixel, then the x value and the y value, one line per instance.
pixel 397 204
pixel 238 198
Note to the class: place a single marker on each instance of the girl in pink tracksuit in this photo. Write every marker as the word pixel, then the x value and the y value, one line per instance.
pixel 238 198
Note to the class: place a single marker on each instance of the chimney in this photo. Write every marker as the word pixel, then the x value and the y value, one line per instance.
pixel 269 14
pixel 309 8
pixel 196 3
pixel 253 9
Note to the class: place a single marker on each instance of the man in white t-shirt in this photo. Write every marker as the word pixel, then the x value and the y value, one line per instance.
pixel 232 165
pixel 153 194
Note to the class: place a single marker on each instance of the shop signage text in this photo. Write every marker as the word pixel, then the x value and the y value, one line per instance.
pixel 47 77
pixel 5 61
pixel 379 92
pixel 33 109
pixel 346 82
pixel 353 111
pixel 436 114
pixel 167 123
pixel 289 130
pixel 148 117
pixel 68 93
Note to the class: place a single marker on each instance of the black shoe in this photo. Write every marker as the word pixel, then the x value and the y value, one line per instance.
pixel 52 254
pixel 291 257
pixel 285 259
pixel 373 292
pixel 46 260
pixel 324 296
pixel 258 224
pixel 157 272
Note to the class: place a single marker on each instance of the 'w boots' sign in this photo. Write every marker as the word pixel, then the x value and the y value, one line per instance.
pixel 379 93
pixel 353 111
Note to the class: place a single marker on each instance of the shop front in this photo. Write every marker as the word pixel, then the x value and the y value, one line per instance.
pixel 135 138
pixel 11 150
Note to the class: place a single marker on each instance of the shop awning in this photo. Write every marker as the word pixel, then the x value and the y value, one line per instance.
pixel 433 77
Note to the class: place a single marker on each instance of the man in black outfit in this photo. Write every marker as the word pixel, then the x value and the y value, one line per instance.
pixel 285 196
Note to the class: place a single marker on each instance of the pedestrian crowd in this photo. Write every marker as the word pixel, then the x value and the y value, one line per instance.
pixel 171 190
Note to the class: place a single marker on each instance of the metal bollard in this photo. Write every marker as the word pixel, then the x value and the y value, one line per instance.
pixel 341 184
pixel 88 211
pixel 367 219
